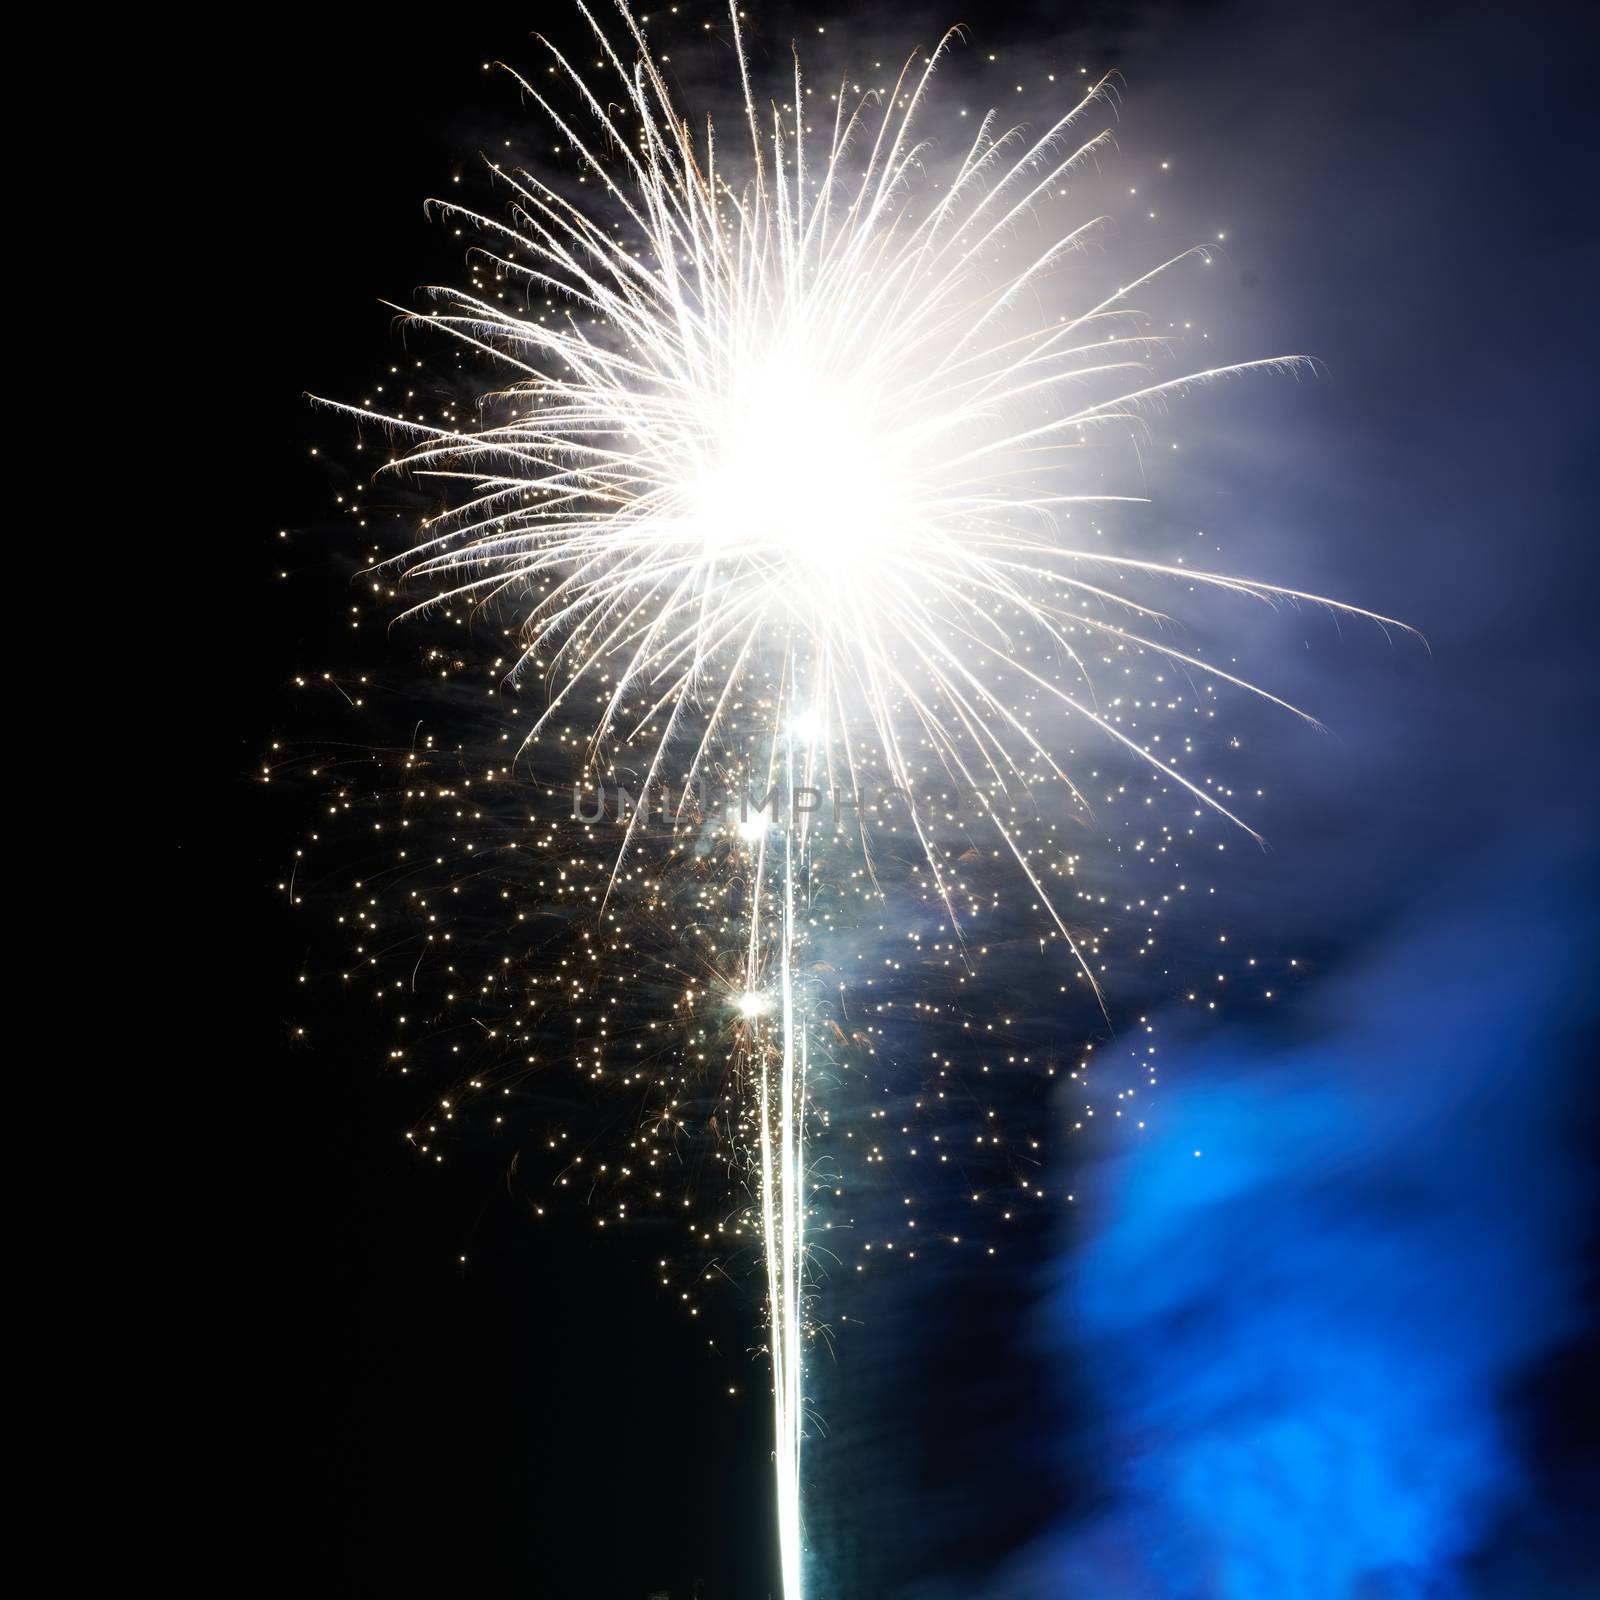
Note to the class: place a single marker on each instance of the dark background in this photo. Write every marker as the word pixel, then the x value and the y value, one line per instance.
pixel 260 1363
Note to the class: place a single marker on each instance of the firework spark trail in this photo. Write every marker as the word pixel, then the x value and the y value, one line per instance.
pixel 819 415
pixel 786 1305
pixel 781 1198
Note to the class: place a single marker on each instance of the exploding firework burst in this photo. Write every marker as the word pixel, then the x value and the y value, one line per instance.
pixel 782 477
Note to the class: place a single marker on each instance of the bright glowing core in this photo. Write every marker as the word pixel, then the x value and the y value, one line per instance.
pixel 798 473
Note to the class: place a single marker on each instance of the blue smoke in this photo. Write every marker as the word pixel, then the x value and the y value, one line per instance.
pixel 1299 1345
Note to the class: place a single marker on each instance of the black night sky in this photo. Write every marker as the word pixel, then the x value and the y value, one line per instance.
pixel 1354 1364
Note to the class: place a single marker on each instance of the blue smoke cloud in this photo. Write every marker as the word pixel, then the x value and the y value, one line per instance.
pixel 1300 1343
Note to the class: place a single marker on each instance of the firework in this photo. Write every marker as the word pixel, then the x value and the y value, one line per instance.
pixel 782 442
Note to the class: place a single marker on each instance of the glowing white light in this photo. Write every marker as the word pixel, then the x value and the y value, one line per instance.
pixel 752 1004
pixel 806 727
pixel 796 471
